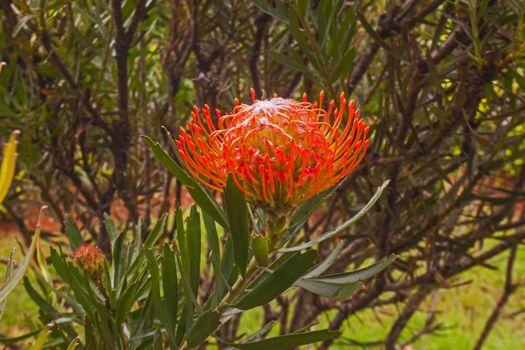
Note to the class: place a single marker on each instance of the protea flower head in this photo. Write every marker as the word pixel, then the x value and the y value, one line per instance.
pixel 92 260
pixel 280 152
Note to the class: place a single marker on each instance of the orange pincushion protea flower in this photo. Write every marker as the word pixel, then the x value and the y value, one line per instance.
pixel 279 151
pixel 92 259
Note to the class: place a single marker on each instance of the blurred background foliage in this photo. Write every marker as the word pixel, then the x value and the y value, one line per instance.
pixel 439 81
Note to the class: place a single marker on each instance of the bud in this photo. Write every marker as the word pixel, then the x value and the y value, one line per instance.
pixel 91 258
pixel 261 248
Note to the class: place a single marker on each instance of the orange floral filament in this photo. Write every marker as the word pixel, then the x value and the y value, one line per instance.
pixel 279 151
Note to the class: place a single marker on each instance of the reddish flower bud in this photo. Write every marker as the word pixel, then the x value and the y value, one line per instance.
pixel 279 151
pixel 91 258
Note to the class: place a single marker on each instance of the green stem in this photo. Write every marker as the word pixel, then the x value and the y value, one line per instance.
pixel 238 287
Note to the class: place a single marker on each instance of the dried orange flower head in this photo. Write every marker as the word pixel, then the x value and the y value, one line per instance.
pixel 279 151
pixel 92 260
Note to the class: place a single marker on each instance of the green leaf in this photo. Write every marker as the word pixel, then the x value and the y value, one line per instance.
pixel 118 258
pixel 342 227
pixel 156 232
pixel 17 274
pixel 341 285
pixel 327 289
pixel 8 274
pixel 237 211
pixel 193 237
pixel 181 240
pixel 43 305
pixel 110 228
pixel 73 233
pixel 326 263
pixel 73 344
pixel 205 325
pixel 227 273
pixel 288 341
pixel 158 305
pixel 40 340
pixel 170 285
pixel 201 196
pixel 213 242
pixel 361 274
pixel 305 210
pixel 137 240
pixel 302 7
pixel 126 302
pixel 376 37
pixel 220 280
pixel 277 281
pixel 293 64
pixel 264 6
pixel 260 333
pixel 341 72
pixel 18 339
pixel 275 265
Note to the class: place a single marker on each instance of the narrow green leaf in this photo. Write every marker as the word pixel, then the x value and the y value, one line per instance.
pixel 73 344
pixel 293 63
pixel 376 37
pixel 201 196
pixel 327 289
pixel 110 228
pixel 326 263
pixel 158 305
pixel 260 333
pixel 288 341
pixel 8 274
pixel 186 286
pixel 298 34
pixel 302 7
pixel 43 305
pixel 156 232
pixel 274 266
pixel 213 242
pixel 182 243
pixel 264 6
pixel 40 340
pixel 237 211
pixel 342 70
pixel 19 338
pixel 214 246
pixel 193 237
pixel 227 276
pixel 17 274
pixel 277 281
pixel 118 258
pixel 342 227
pixel 170 285
pixel 126 302
pixel 73 233
pixel 361 274
pixel 346 32
pixel 137 240
pixel 205 325
pixel 306 209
